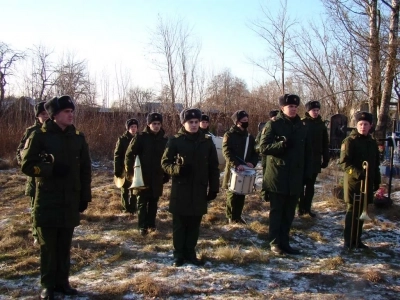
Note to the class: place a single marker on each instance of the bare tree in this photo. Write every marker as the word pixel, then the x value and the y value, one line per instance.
pixel 275 30
pixel 8 57
pixel 139 97
pixel 41 79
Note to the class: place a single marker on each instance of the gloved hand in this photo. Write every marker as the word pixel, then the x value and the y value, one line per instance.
pixel 46 158
pixel 324 164
pixel 289 143
pixel 165 178
pixel 60 170
pixel 82 206
pixel 185 170
pixel 211 195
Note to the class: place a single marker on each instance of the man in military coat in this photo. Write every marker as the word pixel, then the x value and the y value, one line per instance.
pixel 285 143
pixel 191 159
pixel 238 148
pixel 357 148
pixel 318 134
pixel 128 198
pixel 205 124
pixel 57 155
pixel 40 117
pixel 149 145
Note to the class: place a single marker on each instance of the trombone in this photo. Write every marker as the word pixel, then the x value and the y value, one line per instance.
pixel 361 198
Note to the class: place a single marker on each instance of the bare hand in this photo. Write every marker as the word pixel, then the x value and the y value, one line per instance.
pixel 250 165
pixel 240 168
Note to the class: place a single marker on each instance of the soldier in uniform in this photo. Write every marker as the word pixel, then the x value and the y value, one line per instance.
pixel 205 124
pixel 149 145
pixel 40 117
pixel 238 148
pixel 285 143
pixel 272 116
pixel 57 155
pixel 191 159
pixel 358 147
pixel 128 199
pixel 318 134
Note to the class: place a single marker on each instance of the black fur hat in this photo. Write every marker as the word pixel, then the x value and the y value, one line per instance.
pixel 312 104
pixel 273 113
pixel 205 118
pixel 238 115
pixel 289 99
pixel 39 108
pixel 363 116
pixel 130 122
pixel 154 117
pixel 189 113
pixel 57 104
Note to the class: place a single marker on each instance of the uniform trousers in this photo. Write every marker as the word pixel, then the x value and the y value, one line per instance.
pixel 128 200
pixel 186 230
pixel 55 246
pixel 147 210
pixel 234 205
pixel 353 222
pixel 307 196
pixel 281 215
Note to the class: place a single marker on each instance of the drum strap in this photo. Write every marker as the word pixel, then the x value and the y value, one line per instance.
pixel 247 145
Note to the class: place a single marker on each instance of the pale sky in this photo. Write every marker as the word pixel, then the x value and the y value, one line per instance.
pixel 117 32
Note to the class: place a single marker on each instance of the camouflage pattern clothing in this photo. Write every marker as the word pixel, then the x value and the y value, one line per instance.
pixel 356 149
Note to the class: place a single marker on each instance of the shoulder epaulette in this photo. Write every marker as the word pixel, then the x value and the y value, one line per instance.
pixel 176 136
pixel 208 136
pixel 42 129
pixel 303 118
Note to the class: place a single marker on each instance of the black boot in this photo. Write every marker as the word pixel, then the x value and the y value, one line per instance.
pixel 66 289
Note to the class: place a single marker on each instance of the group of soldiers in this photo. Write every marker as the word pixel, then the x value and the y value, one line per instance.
pixel 55 156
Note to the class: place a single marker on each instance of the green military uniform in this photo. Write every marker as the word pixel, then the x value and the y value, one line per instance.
pixel 150 148
pixel 356 149
pixel 188 199
pixel 128 199
pixel 287 165
pixel 318 134
pixel 233 147
pixel 62 191
pixel 30 181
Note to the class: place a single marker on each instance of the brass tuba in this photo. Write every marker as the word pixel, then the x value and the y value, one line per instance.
pixel 137 180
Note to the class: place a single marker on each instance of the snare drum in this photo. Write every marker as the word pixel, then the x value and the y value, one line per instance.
pixel 218 145
pixel 242 183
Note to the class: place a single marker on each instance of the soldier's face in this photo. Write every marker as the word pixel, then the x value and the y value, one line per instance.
pixel 314 113
pixel 42 117
pixel 191 125
pixel 204 124
pixel 290 110
pixel 155 126
pixel 64 118
pixel 363 127
pixel 132 129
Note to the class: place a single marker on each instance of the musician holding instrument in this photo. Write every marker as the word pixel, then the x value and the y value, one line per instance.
pixel 191 159
pixel 287 146
pixel 239 151
pixel 149 145
pixel 128 198
pixel 359 159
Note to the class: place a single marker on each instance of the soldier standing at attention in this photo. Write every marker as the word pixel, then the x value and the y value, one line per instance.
pixel 288 149
pixel 149 145
pixel 238 147
pixel 57 155
pixel 191 159
pixel 318 134
pixel 205 124
pixel 272 116
pixel 128 199
pixel 358 147
pixel 40 117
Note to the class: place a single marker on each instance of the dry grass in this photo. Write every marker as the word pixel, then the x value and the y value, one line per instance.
pixel 332 263
pixel 374 276
pixel 237 255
